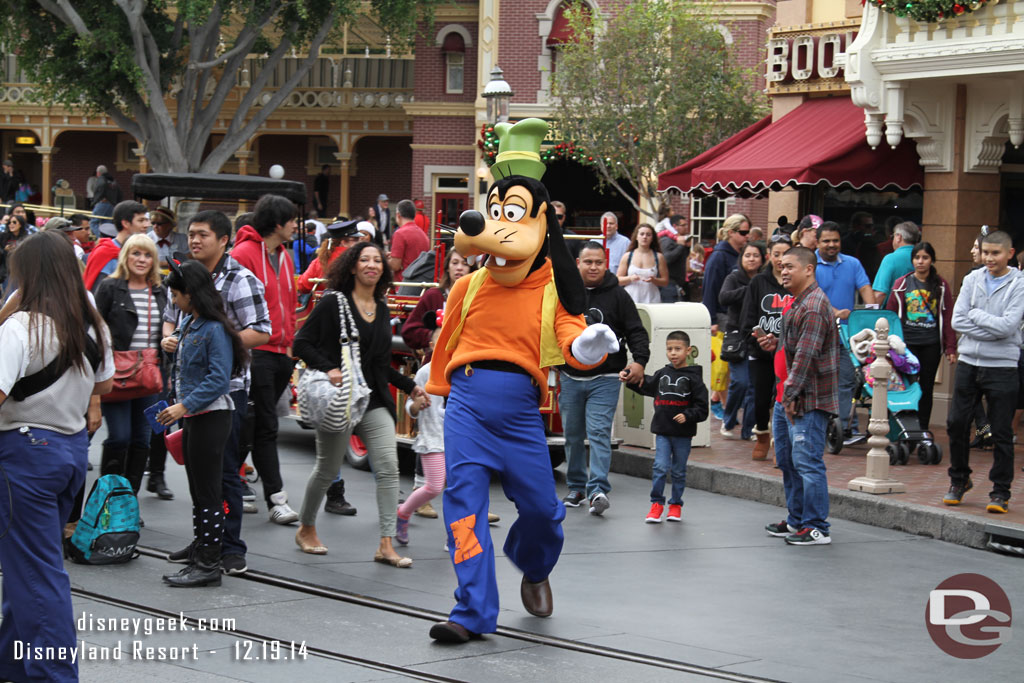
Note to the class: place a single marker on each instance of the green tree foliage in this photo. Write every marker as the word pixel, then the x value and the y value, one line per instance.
pixel 648 90
pixel 125 58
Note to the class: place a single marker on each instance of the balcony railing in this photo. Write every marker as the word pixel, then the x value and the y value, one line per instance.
pixel 333 81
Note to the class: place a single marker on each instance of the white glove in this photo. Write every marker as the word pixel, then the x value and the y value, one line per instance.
pixel 596 341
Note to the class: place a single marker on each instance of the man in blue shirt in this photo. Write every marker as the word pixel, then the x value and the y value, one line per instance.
pixel 841 277
pixel 898 263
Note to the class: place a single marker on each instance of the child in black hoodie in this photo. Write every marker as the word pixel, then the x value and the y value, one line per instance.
pixel 680 402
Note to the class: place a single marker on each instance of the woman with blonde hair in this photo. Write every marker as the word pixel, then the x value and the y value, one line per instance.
pixel 131 302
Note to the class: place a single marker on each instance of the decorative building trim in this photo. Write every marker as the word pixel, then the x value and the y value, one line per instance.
pixel 929 120
pixel 892 68
pixel 439 108
pixel 750 10
pixel 431 170
pixel 449 148
pixel 987 127
pixel 726 33
pixel 456 13
pixel 453 28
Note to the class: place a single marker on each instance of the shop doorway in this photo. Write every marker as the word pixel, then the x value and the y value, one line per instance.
pixel 1011 208
pixel 451 205
pixel 578 187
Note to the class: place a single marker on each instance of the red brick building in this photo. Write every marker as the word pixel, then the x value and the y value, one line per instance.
pixel 405 125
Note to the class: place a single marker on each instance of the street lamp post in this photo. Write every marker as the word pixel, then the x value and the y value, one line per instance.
pixel 498 94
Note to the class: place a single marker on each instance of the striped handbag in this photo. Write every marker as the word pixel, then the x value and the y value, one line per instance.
pixel 336 408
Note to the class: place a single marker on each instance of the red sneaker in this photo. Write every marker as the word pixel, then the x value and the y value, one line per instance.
pixel 654 516
pixel 675 513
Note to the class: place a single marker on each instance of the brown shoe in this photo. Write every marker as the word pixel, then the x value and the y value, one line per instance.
pixel 763 444
pixel 537 597
pixel 426 510
pixel 450 632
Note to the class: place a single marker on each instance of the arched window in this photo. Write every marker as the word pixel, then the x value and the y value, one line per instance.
pixel 453 40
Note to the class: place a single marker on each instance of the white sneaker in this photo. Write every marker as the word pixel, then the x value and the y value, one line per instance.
pixel 249 507
pixel 280 513
pixel 728 433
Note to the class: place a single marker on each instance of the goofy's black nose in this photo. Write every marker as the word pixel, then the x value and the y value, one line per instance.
pixel 471 222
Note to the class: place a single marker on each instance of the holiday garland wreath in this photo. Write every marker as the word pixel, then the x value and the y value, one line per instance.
pixel 488 144
pixel 929 11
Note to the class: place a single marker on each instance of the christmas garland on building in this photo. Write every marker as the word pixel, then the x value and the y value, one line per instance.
pixel 929 11
pixel 488 144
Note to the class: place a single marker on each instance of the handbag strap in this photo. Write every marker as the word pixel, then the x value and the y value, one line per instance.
pixel 350 333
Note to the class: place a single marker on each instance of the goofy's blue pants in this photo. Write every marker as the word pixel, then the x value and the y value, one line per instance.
pixel 42 472
pixel 492 425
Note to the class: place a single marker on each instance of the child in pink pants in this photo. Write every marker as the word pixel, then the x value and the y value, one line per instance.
pixel 429 445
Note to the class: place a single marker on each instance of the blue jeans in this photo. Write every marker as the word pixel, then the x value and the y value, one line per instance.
pixel 588 410
pixel 741 397
pixel 670 453
pixel 127 425
pixel 41 479
pixel 792 485
pixel 799 452
pixel 847 385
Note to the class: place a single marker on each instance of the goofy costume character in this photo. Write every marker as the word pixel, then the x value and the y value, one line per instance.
pixel 504 327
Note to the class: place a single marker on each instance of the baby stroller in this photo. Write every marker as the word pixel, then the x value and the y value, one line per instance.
pixel 905 431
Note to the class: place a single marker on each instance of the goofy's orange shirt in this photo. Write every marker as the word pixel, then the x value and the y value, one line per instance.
pixel 502 323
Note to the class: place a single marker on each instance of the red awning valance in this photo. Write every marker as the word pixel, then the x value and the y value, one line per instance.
pixel 679 178
pixel 453 42
pixel 561 33
pixel 821 141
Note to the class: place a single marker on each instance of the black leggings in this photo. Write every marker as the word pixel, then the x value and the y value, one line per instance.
pixel 929 356
pixel 762 373
pixel 202 444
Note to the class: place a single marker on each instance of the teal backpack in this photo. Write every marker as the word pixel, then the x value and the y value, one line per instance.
pixel 109 529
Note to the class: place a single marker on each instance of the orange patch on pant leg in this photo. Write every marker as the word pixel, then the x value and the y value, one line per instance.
pixel 466 543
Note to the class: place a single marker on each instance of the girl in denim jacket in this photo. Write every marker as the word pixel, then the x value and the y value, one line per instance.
pixel 209 353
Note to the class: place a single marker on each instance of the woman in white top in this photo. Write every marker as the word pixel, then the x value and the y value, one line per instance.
pixel 642 270
pixel 56 355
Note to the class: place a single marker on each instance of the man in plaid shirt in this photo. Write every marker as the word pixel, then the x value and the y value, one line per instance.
pixel 809 397
pixel 242 292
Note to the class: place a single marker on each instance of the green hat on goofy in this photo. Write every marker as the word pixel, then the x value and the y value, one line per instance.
pixel 519 149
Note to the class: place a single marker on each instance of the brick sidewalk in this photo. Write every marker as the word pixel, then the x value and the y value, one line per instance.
pixel 926 484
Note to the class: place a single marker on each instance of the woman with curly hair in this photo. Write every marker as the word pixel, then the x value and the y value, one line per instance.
pixel 362 276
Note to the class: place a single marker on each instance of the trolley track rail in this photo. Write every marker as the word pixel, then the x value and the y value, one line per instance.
pixel 337 594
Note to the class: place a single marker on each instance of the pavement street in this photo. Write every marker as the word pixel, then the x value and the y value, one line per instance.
pixel 714 591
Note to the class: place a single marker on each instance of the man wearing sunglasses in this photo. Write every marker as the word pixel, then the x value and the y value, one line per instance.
pixel 722 262
pixel 561 214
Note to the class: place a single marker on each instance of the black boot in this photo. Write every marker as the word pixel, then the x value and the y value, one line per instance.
pixel 203 571
pixel 336 502
pixel 135 466
pixel 158 486
pixel 112 460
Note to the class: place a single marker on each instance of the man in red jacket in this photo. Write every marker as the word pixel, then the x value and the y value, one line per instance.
pixel 131 219
pixel 260 247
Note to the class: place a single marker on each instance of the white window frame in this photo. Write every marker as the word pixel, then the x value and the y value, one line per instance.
pixel 454 62
pixel 708 224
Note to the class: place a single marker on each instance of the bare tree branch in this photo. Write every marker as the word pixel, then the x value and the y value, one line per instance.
pixel 237 136
pixel 63 10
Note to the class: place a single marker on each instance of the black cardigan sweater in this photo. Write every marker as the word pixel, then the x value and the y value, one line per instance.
pixel 318 344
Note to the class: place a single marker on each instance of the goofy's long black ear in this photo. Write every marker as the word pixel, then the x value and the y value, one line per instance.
pixel 571 291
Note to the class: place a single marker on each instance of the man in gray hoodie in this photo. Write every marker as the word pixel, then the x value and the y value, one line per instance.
pixel 987 314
